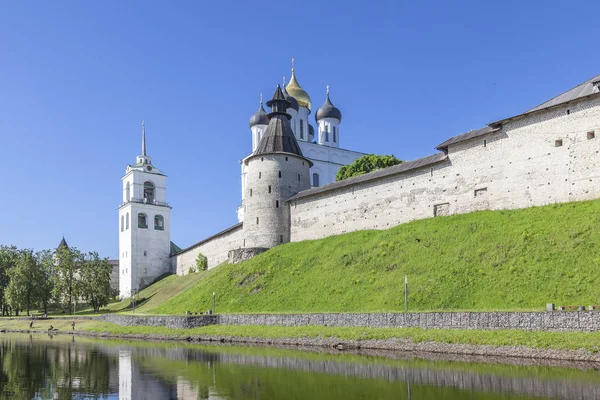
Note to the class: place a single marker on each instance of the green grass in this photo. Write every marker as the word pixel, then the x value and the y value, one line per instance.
pixel 489 260
pixel 156 294
pixel 589 341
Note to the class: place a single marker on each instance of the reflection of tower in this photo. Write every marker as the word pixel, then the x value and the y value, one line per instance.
pixel 125 375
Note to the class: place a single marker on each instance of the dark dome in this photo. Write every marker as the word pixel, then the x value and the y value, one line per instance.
pixel 328 110
pixel 294 103
pixel 260 117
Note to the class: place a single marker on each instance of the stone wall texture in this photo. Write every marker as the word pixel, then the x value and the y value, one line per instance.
pixel 214 248
pixel 584 321
pixel 516 167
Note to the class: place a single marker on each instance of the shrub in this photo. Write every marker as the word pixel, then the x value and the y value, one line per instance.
pixel 201 262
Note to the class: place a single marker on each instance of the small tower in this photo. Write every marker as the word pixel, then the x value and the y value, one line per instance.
pixel 276 171
pixel 304 104
pixel 328 120
pixel 258 124
pixel 144 225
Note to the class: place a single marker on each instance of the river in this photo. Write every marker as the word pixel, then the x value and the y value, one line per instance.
pixel 66 367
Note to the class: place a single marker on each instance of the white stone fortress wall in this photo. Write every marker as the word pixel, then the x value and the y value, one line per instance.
pixel 540 158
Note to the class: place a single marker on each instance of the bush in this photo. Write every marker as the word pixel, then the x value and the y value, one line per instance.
pixel 201 262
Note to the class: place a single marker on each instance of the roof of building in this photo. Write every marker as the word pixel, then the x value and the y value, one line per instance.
pixel 294 89
pixel 231 228
pixel 466 136
pixel 381 173
pixel 174 248
pixel 278 137
pixel 260 117
pixel 588 88
pixel 63 243
pixel 293 102
pixel 328 110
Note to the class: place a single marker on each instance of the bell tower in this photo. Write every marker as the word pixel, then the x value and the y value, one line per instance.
pixel 144 225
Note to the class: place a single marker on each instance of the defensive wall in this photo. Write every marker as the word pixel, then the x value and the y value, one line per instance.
pixel 538 158
pixel 584 321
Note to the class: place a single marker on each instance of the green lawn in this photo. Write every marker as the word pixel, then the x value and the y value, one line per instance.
pixel 489 260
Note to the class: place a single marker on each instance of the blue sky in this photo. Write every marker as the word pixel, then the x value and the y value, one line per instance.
pixel 77 78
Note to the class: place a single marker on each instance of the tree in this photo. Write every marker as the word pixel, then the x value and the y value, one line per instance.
pixel 8 259
pixel 46 285
pixel 66 269
pixel 366 164
pixel 201 262
pixel 94 285
pixel 26 277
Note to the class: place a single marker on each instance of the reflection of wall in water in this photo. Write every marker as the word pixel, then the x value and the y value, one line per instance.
pixel 137 385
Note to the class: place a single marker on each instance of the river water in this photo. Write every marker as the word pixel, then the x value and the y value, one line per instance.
pixel 64 367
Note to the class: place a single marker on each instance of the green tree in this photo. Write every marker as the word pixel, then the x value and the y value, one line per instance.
pixel 201 262
pixel 66 273
pixel 94 285
pixel 8 258
pixel 366 164
pixel 46 285
pixel 26 277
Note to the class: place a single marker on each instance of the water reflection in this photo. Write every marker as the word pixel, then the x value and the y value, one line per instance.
pixel 38 367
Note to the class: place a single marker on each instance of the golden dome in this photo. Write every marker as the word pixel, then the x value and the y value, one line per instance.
pixel 294 89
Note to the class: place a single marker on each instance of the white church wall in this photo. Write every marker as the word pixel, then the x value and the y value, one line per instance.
pixel 215 249
pixel 517 167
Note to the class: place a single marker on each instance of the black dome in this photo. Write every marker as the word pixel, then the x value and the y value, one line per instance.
pixel 328 110
pixel 260 117
pixel 293 102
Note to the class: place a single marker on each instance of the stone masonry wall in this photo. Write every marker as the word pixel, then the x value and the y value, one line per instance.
pixel 587 321
pixel 214 248
pixel 519 166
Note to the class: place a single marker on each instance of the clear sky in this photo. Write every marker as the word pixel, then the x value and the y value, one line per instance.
pixel 78 77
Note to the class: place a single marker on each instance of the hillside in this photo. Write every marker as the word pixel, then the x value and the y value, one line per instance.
pixel 488 260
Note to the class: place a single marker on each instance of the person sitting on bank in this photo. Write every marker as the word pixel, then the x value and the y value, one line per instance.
pixel 31 325
pixel 73 325
pixel 51 328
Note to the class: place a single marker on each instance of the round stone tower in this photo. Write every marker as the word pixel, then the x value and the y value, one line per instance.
pixel 277 170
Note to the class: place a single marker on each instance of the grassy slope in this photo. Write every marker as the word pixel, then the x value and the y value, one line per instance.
pixel 158 293
pixel 489 260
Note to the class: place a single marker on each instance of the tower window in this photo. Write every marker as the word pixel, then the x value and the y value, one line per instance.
pixel 316 180
pixel 159 222
pixel 484 142
pixel 301 129
pixel 122 223
pixel 256 220
pixel 286 159
pixel 591 135
pixel 127 192
pixel 142 220
pixel 250 192
pixel 269 189
pixel 127 221
pixel 558 143
pixel 276 203
pixel 326 136
pixel 280 238
pixel 334 135
pixel 259 175
pixel 298 177
pixel 280 174
pixel 148 192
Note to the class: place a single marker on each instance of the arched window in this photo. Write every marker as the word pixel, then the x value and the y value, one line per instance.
pixel 326 136
pixel 148 192
pixel 127 221
pixel 142 220
pixel 301 129
pixel 334 135
pixel 315 179
pixel 159 222
pixel 122 223
pixel 128 192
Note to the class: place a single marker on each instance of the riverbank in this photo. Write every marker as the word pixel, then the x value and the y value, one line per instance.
pixel 573 346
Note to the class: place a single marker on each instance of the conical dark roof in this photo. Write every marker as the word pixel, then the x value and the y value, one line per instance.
pixel 328 110
pixel 63 243
pixel 278 137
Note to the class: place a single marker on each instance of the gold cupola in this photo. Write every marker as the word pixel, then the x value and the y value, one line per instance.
pixel 294 90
